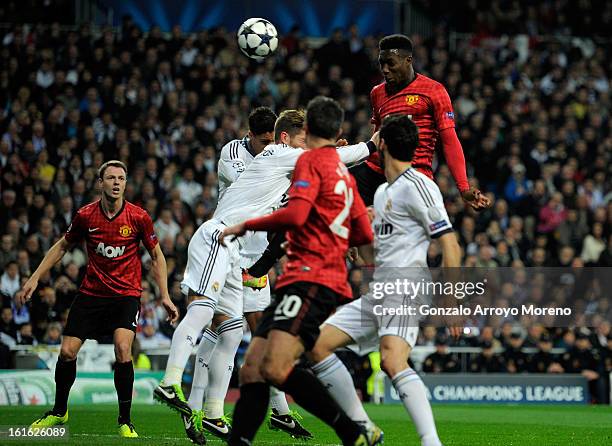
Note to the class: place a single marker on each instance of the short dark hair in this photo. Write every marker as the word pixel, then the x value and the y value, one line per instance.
pixel 324 117
pixel 111 163
pixel 262 120
pixel 401 136
pixel 395 42
pixel 289 121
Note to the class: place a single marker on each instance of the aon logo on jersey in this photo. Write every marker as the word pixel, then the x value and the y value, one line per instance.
pixel 110 252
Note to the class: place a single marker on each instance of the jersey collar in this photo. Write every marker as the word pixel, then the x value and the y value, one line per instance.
pixel 116 215
pixel 401 175
pixel 247 145
pixel 416 76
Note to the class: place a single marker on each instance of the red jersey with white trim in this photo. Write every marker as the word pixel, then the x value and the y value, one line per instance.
pixel 317 249
pixel 114 267
pixel 427 103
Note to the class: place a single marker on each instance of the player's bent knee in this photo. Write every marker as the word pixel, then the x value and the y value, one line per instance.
pixel 393 365
pixel 274 372
pixel 68 353
pixel 249 373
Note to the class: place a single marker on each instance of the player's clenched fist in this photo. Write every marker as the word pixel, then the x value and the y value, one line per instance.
pixel 476 199
pixel 173 313
pixel 25 294
pixel 232 232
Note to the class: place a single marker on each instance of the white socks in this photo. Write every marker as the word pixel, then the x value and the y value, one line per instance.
pixel 336 378
pixel 411 390
pixel 221 366
pixel 199 314
pixel 200 373
pixel 278 401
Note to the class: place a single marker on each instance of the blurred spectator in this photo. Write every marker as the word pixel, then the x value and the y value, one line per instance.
pixel 25 335
pixel 544 361
pixel 53 336
pixel 165 227
pixel 10 279
pixel 594 244
pixel 516 360
pixel 441 361
pixel 584 360
pixel 7 324
pixel 552 215
pixel 487 361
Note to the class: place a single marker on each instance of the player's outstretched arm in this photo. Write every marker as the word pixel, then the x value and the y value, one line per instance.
pixel 451 251
pixel 451 258
pixel 160 274
pixel 53 256
pixel 358 152
pixel 294 215
pixel 453 153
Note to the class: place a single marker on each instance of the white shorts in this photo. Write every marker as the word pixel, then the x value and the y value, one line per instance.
pixel 231 301
pixel 254 300
pixel 210 268
pixel 359 321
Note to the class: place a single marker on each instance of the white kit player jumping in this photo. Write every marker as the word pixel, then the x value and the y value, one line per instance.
pixel 408 213
pixel 212 277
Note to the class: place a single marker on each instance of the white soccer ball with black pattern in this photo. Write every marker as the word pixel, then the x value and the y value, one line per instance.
pixel 257 38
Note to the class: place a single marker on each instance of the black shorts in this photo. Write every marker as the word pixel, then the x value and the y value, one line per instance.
pixel 299 309
pixel 93 317
pixel 367 181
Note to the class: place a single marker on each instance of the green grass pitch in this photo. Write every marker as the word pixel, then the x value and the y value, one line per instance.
pixel 459 425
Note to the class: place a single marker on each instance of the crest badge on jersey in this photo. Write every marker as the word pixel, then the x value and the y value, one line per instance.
pixel 412 99
pixel 388 205
pixel 215 287
pixel 125 231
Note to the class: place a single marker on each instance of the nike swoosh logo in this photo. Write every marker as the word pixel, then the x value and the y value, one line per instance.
pixel 134 324
pixel 93 229
pixel 289 425
pixel 166 394
pixel 223 430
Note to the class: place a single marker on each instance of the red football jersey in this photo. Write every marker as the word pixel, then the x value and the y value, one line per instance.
pixel 114 267
pixel 317 250
pixel 427 103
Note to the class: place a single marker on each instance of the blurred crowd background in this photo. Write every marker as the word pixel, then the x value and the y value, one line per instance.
pixel 532 109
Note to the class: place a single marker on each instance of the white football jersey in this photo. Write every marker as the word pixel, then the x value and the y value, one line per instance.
pixel 262 187
pixel 409 212
pixel 235 157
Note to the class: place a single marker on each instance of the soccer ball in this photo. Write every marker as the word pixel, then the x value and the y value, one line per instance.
pixel 257 38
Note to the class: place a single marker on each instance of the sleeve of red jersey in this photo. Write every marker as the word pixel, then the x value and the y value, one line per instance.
pixel 375 116
pixel 76 230
pixel 443 113
pixel 445 123
pixel 306 179
pixel 148 236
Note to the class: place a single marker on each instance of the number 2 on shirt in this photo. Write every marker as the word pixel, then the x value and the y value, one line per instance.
pixel 337 226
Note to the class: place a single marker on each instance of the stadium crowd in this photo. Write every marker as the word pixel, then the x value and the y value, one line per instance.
pixel 532 115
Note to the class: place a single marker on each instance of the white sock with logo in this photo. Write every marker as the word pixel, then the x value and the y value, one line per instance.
pixel 199 314
pixel 200 374
pixel 336 378
pixel 221 366
pixel 411 390
pixel 278 401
